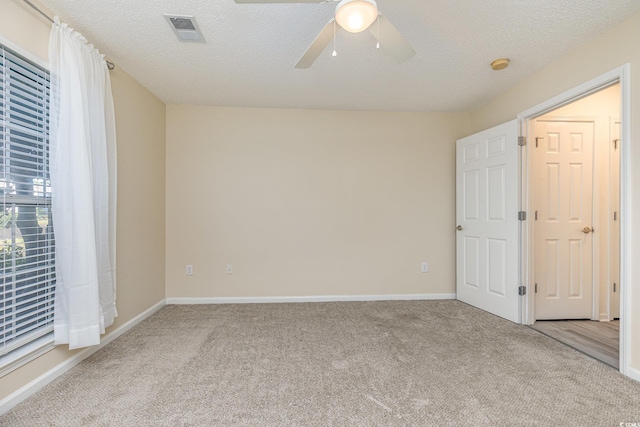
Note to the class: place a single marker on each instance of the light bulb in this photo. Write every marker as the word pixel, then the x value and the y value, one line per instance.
pixel 356 20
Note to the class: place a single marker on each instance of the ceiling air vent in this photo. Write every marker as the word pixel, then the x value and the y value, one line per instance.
pixel 185 28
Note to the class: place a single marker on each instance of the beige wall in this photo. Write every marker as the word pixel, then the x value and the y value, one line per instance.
pixel 306 203
pixel 140 118
pixel 25 27
pixel 612 49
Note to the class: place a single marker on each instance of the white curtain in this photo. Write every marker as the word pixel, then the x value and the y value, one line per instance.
pixel 83 179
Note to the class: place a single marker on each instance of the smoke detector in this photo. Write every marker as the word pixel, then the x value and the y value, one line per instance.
pixel 185 28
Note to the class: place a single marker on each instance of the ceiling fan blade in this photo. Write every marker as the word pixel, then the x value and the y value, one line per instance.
pixel 318 45
pixel 280 1
pixel 391 40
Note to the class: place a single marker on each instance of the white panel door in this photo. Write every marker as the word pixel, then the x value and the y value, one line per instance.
pixel 487 218
pixel 563 198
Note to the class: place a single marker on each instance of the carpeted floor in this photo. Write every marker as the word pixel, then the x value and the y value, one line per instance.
pixel 401 363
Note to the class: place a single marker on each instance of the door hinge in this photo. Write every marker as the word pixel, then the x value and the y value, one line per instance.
pixel 614 286
pixel 538 138
pixel 536 215
pixel 522 290
pixel 522 141
pixel 522 216
pixel 615 216
pixel 615 144
pixel 535 289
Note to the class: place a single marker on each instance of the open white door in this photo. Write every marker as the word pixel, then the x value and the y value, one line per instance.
pixel 487 216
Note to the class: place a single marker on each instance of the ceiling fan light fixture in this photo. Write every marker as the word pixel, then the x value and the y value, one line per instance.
pixel 356 15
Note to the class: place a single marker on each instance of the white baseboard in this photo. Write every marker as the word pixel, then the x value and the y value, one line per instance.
pixel 29 389
pixel 633 374
pixel 318 298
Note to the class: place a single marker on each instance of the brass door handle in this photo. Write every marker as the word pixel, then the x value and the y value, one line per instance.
pixel 459 228
pixel 588 230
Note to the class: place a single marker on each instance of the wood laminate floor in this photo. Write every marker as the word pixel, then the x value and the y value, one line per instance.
pixel 599 340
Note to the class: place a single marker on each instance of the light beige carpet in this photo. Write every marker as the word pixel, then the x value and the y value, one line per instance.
pixel 418 363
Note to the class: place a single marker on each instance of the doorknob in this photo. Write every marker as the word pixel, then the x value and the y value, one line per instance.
pixel 459 228
pixel 588 230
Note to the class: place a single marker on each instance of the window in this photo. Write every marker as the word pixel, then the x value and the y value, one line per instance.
pixel 27 274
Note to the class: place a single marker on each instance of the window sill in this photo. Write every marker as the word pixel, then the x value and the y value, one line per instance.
pixel 25 354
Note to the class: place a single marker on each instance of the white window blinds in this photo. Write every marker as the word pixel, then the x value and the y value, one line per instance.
pixel 27 275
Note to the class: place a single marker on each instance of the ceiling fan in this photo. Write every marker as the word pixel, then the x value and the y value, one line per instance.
pixel 353 16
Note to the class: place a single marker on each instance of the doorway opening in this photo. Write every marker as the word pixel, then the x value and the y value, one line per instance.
pixel 576 184
pixel 573 247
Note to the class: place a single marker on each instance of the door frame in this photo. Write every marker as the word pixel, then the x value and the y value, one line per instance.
pixel 621 75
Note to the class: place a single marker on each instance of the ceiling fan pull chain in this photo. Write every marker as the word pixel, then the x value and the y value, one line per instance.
pixel 334 40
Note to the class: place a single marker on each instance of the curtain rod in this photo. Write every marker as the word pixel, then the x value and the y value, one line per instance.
pixel 110 65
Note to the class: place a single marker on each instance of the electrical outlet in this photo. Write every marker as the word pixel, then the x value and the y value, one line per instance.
pixel 189 270
pixel 424 267
pixel 229 269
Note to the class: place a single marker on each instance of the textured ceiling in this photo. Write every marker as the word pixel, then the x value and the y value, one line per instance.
pixel 251 50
